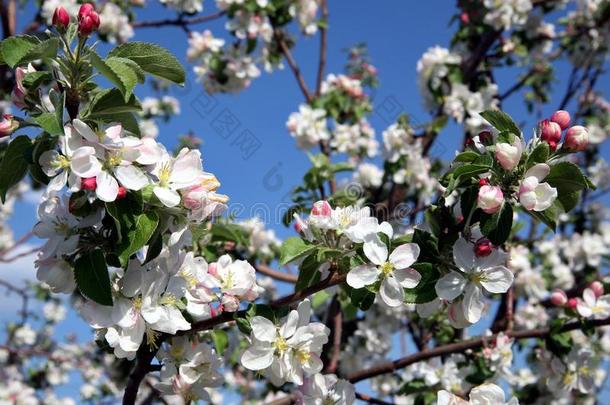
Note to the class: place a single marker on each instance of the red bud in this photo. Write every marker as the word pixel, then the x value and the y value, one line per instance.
pixel 122 193
pixel 483 247
pixel 61 19
pixel 89 183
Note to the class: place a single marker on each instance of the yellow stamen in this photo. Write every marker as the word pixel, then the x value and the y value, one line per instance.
pixel 387 268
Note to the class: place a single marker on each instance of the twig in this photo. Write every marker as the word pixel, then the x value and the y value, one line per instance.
pixel 460 347
pixel 371 400
pixel 179 22
pixel 278 275
pixel 335 322
pixel 279 35
pixel 323 46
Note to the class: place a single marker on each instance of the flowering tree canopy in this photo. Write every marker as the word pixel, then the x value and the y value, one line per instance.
pixel 508 239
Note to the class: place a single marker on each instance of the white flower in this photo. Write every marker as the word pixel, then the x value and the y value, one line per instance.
pixel 534 195
pixel 114 23
pixel 57 275
pixel 509 155
pixel 25 335
pixel 486 394
pixel 369 175
pixel 235 278
pixel 591 306
pixel 576 371
pixel 326 389
pixel 58 226
pixel 185 6
pixel 202 43
pixel 308 126
pixel 476 275
pixel 393 271
pixel 286 351
pixel 175 174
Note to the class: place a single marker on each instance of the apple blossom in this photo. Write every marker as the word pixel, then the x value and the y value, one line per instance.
pixel 88 20
pixel 593 306
pixel 61 19
pixel 483 394
pixel 175 174
pixel 562 118
pixel 550 131
pixel 559 297
pixel 597 288
pixel 533 194
pixel 509 154
pixel 490 199
pixel 322 389
pixel 8 125
pixel 286 351
pixel 477 274
pixel 577 139
pixel 393 271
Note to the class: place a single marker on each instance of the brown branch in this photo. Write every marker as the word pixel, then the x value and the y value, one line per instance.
pixel 323 46
pixel 178 22
pixel 460 347
pixel 335 323
pixel 371 400
pixel 278 275
pixel 279 36
pixel 8 14
pixel 143 358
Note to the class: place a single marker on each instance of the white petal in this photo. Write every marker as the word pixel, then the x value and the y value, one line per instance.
pixel 131 177
pixel 168 197
pixel 497 279
pixel 85 131
pixel 404 255
pixel 473 303
pixel 450 286
pixel 263 329
pixel 362 275
pixel 290 324
pixel 376 251
pixel 107 187
pixel 257 357
pixel 463 254
pixel 487 394
pixel 408 278
pixel 84 162
pixel 391 292
pixel 539 171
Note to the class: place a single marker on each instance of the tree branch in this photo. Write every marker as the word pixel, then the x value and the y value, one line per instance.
pixel 323 46
pixel 278 275
pixel 460 347
pixel 279 36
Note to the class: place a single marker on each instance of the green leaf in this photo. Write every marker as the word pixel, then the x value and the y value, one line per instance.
pixel 221 340
pixel 424 291
pixel 539 155
pixel 566 176
pixel 108 103
pixel 413 387
pixel 361 298
pixel 294 248
pixel 550 215
pixel 428 245
pixel 92 277
pixel 134 227
pixel 48 122
pixel 34 79
pixel 466 157
pixel 152 59
pixel 501 121
pixel 109 73
pixel 496 227
pixel 308 273
pixel 15 48
pixel 14 165
pixel 45 49
pixel 568 200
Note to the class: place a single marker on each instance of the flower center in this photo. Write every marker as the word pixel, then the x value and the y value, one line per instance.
pixel 280 344
pixel 164 174
pixel 61 162
pixel 168 299
pixel 303 356
pixel 387 268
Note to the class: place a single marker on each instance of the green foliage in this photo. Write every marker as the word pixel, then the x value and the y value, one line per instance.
pixel 152 59
pixel 501 121
pixel 424 291
pixel 92 277
pixel 14 165
pixel 293 249
pixel 22 49
pixel 496 227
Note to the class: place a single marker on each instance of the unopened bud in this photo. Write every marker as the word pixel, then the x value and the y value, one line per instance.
pixel 572 303
pixel 122 193
pixel 90 183
pixel 483 247
pixel 559 297
pixel 61 19
pixel 562 118
pixel 8 125
pixel 321 208
pixel 597 288
pixel 577 139
pixel 88 20
pixel 550 131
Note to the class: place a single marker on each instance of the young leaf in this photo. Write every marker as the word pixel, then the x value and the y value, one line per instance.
pixel 294 248
pixel 539 155
pixel 45 49
pixel 92 277
pixel 308 273
pixel 152 59
pixel 566 176
pixel 221 340
pixel 108 103
pixel 496 227
pixel 15 48
pixel 48 122
pixel 501 121
pixel 14 164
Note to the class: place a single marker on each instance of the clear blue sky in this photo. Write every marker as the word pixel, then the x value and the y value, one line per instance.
pixel 397 33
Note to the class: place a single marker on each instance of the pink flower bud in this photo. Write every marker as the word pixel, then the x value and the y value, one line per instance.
pixel 230 303
pixel 597 288
pixel 577 138
pixel 559 298
pixel 483 182
pixel 88 20
pixel 572 303
pixel 490 199
pixel 90 183
pixel 464 18
pixel 562 118
pixel 549 131
pixel 321 208
pixel 8 125
pixel 61 19
pixel 483 247
pixel 122 193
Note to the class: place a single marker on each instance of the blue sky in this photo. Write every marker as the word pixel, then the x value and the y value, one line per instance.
pixel 397 33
